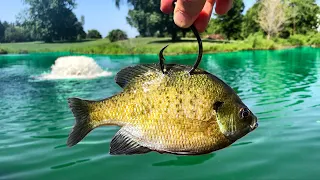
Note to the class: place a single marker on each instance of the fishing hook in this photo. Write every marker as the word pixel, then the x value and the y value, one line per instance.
pixel 200 49
pixel 162 59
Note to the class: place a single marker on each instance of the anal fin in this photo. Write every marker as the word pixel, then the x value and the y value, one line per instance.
pixel 123 143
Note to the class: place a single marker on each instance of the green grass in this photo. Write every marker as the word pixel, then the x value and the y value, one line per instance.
pixel 3 51
pixel 49 47
pixel 154 45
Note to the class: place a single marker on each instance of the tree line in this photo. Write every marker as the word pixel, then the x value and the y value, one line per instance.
pixel 16 32
pixel 46 20
pixel 54 20
pixel 272 17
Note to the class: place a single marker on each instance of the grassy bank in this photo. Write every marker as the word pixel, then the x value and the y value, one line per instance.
pixel 153 45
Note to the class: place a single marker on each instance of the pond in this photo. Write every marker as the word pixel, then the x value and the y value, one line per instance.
pixel 281 87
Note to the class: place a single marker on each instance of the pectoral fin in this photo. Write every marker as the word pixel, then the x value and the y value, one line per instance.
pixel 123 143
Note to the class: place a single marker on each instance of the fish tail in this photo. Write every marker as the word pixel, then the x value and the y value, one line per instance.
pixel 82 127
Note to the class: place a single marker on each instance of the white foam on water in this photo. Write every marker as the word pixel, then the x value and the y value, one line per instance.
pixel 74 67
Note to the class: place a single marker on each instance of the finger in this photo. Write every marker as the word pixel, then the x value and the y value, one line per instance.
pixel 223 6
pixel 187 11
pixel 166 6
pixel 202 21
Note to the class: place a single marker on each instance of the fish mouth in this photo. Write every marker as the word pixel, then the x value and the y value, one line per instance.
pixel 254 124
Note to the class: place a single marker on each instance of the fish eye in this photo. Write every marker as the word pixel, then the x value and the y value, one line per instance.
pixel 244 112
pixel 216 105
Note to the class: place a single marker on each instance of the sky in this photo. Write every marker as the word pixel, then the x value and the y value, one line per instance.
pixel 99 14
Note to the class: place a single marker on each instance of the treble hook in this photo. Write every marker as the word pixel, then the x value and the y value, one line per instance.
pixel 200 49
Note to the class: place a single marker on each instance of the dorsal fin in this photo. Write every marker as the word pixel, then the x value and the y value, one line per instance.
pixel 125 75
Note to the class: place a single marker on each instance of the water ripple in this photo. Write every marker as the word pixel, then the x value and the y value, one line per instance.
pixel 280 87
pixel 70 164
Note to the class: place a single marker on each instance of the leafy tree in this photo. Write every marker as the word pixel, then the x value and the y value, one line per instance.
pixel 16 34
pixel 116 35
pixel 302 15
pixel 149 20
pixel 230 23
pixel 72 28
pixel 82 34
pixel 53 19
pixel 94 34
pixel 250 23
pixel 82 20
pixel 213 27
pixel 2 29
pixel 318 23
pixel 272 16
pixel 5 24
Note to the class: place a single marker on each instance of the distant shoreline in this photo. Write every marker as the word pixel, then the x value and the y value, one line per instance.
pixel 148 46
pixel 171 54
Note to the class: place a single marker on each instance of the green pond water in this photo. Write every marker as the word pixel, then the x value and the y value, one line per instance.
pixel 281 87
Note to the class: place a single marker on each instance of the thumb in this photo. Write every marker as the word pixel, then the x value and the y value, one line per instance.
pixel 187 11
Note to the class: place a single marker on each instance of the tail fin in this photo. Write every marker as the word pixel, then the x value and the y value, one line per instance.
pixel 82 126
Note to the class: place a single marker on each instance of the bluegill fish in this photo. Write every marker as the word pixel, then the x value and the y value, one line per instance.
pixel 175 113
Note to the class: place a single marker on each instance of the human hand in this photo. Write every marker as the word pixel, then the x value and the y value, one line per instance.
pixel 198 12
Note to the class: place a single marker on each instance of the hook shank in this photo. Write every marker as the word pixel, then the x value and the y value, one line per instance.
pixel 200 49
